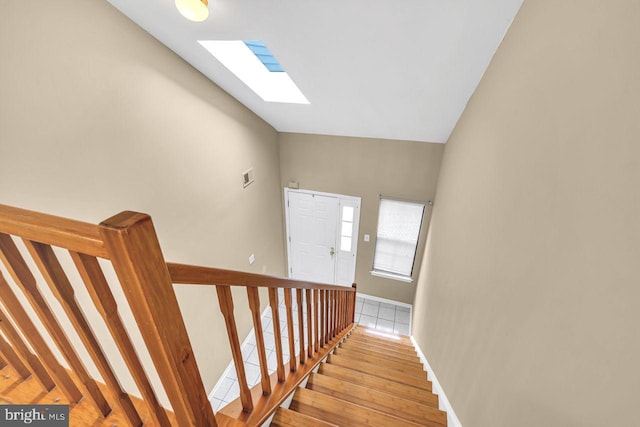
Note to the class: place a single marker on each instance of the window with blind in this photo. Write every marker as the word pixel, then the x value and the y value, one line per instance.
pixel 399 225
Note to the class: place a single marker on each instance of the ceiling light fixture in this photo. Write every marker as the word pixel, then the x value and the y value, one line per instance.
pixel 193 10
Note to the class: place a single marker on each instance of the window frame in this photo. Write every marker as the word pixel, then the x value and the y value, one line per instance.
pixel 389 274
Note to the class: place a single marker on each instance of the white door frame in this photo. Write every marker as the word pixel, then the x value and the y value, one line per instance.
pixel 343 200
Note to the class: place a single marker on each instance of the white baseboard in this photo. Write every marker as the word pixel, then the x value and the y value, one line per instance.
pixel 444 404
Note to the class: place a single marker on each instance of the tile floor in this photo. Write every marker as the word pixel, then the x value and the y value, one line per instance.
pixel 383 316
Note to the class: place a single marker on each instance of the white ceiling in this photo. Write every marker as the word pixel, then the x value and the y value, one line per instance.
pixel 396 69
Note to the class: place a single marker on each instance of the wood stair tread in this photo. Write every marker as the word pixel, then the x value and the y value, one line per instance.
pixel 378 400
pixel 368 348
pixel 425 397
pixel 400 348
pixel 418 381
pixel 340 412
pixel 383 360
pixel 387 345
pixel 287 418
pixel 373 333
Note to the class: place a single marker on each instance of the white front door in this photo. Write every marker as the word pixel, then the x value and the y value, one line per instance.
pixel 312 229
pixel 321 236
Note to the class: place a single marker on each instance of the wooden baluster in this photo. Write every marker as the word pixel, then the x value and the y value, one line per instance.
pixel 13 359
pixel 345 298
pixel 277 332
pixel 321 325
pixel 338 312
pixel 300 325
pixel 353 302
pixel 105 303
pixel 327 316
pixel 23 351
pixel 293 366
pixel 226 306
pixel 31 334
pixel 132 243
pixel 340 306
pixel 309 324
pixel 333 314
pixel 347 308
pixel 323 317
pixel 23 277
pixel 254 306
pixel 316 329
pixel 347 304
pixel 59 284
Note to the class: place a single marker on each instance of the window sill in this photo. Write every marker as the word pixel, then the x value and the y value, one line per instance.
pixel 391 276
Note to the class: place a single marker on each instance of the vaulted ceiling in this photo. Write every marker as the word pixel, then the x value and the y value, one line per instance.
pixel 376 68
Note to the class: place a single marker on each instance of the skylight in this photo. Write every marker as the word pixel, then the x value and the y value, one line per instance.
pixel 260 50
pixel 252 63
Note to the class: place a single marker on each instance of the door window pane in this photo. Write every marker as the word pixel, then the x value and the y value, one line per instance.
pixel 347 229
pixel 347 213
pixel 345 244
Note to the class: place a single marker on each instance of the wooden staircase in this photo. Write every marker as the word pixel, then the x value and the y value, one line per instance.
pixel 369 380
pixel 365 379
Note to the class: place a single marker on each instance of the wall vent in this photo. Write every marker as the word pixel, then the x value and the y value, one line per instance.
pixel 247 177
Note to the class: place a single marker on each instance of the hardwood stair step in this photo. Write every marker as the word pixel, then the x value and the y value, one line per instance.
pixel 382 359
pixel 380 401
pixel 287 418
pixel 382 343
pixel 425 397
pixel 340 412
pixel 374 333
pixel 374 399
pixel 377 351
pixel 400 340
pixel 382 347
pixel 419 381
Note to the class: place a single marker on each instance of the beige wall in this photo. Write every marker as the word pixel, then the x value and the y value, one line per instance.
pixel 365 168
pixel 96 116
pixel 527 305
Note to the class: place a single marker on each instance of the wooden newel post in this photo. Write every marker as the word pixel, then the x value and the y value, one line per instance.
pixel 132 244
pixel 353 302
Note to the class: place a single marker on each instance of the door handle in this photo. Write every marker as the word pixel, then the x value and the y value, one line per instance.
pixel 332 252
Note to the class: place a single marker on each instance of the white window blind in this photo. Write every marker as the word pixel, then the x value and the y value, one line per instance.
pixel 399 225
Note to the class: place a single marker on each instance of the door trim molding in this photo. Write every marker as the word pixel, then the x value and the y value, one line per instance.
pixel 340 197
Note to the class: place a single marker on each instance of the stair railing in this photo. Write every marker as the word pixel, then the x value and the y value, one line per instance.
pixel 31 245
pixel 129 243
pixel 329 309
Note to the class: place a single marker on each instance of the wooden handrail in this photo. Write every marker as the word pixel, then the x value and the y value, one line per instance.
pixel 52 230
pixel 197 275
